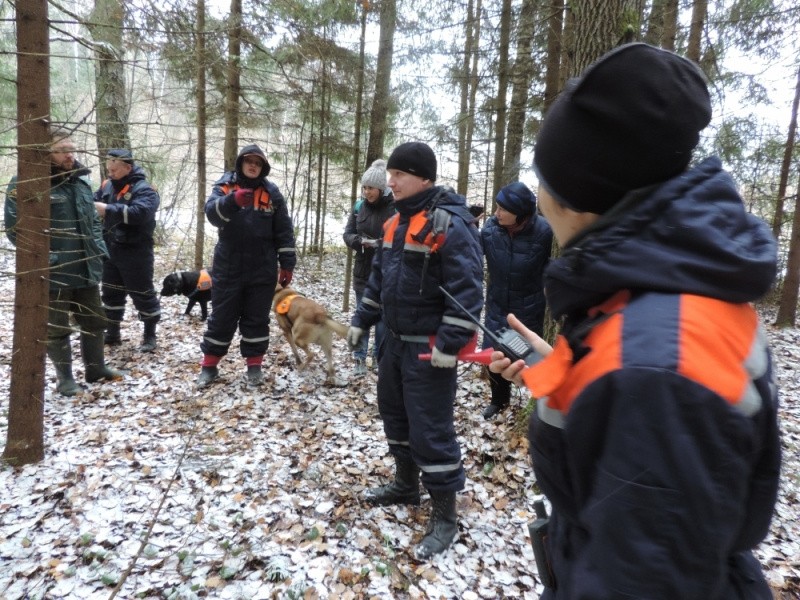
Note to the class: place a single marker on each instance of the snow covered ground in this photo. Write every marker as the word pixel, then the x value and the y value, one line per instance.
pixel 153 489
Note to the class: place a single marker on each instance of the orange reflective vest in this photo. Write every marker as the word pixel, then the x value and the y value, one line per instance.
pixel 261 200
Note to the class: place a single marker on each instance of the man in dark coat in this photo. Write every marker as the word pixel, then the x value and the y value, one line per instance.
pixel 431 243
pixel 77 252
pixel 256 235
pixel 127 203
pixel 655 435
pixel 363 233
pixel 517 244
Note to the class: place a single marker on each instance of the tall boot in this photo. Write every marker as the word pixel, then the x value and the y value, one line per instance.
pixel 149 339
pixel 112 336
pixel 94 359
pixel 442 527
pixel 403 490
pixel 60 354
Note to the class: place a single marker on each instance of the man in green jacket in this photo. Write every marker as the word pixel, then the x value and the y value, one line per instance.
pixel 77 252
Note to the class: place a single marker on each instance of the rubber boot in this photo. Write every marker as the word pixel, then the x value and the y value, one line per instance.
pixel 403 490
pixel 207 375
pixel 94 360
pixel 442 528
pixel 112 335
pixel 149 339
pixel 60 354
pixel 254 376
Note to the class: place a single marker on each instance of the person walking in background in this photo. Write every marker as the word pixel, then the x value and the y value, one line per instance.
pixel 77 252
pixel 362 234
pixel 127 204
pixel 655 435
pixel 256 235
pixel 517 244
pixel 431 243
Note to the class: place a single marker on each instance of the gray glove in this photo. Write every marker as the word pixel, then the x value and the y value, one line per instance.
pixel 354 336
pixel 442 360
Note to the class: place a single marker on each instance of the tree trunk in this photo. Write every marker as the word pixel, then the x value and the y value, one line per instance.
pixel 234 74
pixel 200 51
pixel 699 9
pixel 383 77
pixel 348 273
pixel 788 150
pixel 111 99
pixel 473 84
pixel 502 93
pixel 598 25
pixel 464 154
pixel 655 23
pixel 521 77
pixel 25 437
pixel 670 31
pixel 555 24
pixel 787 309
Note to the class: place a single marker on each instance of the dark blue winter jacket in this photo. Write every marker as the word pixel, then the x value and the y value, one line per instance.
pixel 405 277
pixel 655 435
pixel 516 268
pixel 131 205
pixel 253 240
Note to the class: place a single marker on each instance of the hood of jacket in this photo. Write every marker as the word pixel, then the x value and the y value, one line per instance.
pixel 136 174
pixel 690 235
pixel 246 181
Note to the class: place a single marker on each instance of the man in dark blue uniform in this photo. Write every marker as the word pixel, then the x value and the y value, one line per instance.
pixel 127 203
pixel 255 236
pixel 430 242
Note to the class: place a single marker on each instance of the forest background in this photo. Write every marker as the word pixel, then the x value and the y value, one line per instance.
pixel 325 87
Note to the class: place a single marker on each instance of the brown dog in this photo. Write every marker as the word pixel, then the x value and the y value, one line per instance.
pixel 304 322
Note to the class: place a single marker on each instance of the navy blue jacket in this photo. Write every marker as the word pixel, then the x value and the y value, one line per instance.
pixel 408 290
pixel 655 435
pixel 516 268
pixel 132 203
pixel 252 242
pixel 366 221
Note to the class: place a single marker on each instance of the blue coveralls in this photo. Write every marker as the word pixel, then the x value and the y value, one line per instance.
pixel 128 227
pixel 416 399
pixel 252 241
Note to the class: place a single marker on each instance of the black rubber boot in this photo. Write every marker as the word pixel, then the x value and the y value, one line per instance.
pixel 60 354
pixel 207 376
pixel 149 340
pixel 112 336
pixel 403 490
pixel 442 528
pixel 492 410
pixel 254 376
pixel 94 359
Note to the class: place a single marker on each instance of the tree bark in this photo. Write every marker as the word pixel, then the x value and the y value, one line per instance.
pixel 555 24
pixel 655 23
pixel 694 46
pixel 464 153
pixel 111 99
pixel 788 150
pixel 25 438
pixel 200 51
pixel 670 31
pixel 787 309
pixel 502 94
pixel 348 273
pixel 383 77
pixel 234 75
pixel 598 26
pixel 521 76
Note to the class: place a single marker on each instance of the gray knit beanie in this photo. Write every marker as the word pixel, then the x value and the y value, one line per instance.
pixel 375 176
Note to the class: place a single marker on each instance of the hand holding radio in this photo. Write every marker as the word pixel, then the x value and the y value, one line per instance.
pixel 506 358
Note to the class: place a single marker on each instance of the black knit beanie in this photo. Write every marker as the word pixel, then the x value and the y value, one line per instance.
pixel 415 158
pixel 630 120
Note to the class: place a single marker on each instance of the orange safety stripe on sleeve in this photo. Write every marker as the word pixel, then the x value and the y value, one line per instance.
pixel 719 366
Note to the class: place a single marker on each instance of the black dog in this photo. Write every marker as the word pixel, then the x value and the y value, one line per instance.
pixel 190 285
